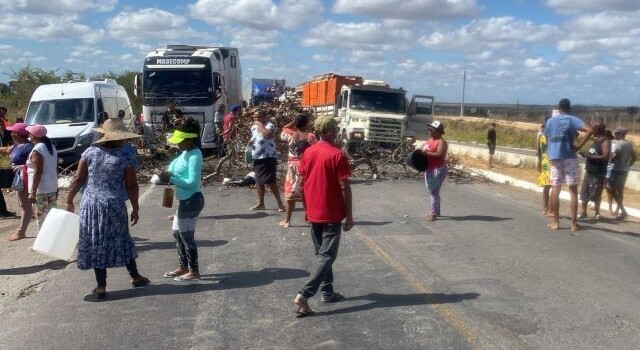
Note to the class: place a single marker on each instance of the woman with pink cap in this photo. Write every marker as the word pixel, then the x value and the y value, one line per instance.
pixel 19 153
pixel 42 170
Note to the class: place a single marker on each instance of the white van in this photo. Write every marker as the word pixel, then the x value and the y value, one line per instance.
pixel 71 111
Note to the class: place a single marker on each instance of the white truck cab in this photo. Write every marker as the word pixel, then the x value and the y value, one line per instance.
pixel 70 111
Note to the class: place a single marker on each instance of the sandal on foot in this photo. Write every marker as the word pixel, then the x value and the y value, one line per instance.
pixel 257 207
pixel 304 312
pixel 173 274
pixel 186 278
pixel 16 237
pixel 140 282
pixel 99 295
pixel 303 307
pixel 334 298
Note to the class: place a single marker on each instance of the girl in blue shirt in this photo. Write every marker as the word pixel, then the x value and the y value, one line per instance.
pixel 185 174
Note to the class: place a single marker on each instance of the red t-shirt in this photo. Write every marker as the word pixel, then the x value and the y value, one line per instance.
pixel 226 124
pixel 323 166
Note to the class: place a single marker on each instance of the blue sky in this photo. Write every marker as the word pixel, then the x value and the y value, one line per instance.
pixel 531 51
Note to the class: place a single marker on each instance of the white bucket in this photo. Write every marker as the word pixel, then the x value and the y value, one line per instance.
pixel 58 234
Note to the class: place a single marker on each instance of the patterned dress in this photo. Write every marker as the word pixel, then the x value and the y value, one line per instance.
pixel 292 183
pixel 544 179
pixel 105 241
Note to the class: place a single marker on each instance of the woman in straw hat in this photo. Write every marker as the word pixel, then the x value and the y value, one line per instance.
pixel 109 178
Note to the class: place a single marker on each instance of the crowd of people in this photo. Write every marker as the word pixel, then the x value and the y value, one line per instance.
pixel 317 175
pixel 607 165
pixel 30 168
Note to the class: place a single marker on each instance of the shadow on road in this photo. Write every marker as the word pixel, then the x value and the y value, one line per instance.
pixel 256 215
pixel 26 270
pixel 378 301
pixel 373 223
pixel 600 228
pixel 486 218
pixel 211 282
pixel 202 243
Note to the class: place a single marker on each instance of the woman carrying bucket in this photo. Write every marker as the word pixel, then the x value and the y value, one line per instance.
pixel 109 178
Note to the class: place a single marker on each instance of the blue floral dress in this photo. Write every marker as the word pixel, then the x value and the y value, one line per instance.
pixel 105 241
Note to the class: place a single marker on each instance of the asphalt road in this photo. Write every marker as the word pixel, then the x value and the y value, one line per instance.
pixel 488 275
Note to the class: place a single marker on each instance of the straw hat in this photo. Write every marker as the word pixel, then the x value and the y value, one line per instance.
pixel 114 129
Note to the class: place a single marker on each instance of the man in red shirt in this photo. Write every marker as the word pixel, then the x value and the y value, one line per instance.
pixel 327 197
pixel 228 133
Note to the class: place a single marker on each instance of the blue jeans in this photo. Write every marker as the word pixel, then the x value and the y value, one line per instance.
pixel 326 240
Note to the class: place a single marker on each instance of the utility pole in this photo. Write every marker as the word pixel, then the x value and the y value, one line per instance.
pixel 464 82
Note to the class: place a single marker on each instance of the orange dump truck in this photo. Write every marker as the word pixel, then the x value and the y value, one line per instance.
pixel 367 110
pixel 323 90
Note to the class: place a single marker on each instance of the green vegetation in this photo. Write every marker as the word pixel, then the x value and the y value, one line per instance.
pixel 470 131
pixel 26 80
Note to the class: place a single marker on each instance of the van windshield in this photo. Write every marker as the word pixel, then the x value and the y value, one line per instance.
pixel 75 110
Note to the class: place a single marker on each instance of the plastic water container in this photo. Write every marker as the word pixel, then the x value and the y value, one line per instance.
pixel 58 234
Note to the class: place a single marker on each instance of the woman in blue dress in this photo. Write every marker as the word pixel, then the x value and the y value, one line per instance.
pixel 107 179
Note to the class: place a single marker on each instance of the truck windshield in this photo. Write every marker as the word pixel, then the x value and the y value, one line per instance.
pixel 187 87
pixel 377 101
pixel 75 110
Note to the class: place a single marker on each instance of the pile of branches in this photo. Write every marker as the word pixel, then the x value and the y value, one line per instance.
pixel 371 161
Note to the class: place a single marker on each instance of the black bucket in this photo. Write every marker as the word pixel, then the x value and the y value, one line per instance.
pixel 417 160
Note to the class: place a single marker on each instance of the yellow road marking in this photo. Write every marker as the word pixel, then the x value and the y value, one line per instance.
pixel 443 310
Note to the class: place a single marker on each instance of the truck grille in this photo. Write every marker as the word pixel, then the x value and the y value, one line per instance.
pixel 385 130
pixel 63 144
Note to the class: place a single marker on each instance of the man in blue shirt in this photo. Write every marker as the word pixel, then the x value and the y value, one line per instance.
pixel 561 132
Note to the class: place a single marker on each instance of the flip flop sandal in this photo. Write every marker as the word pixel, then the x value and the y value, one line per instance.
pixel 172 274
pixel 141 282
pixel 301 313
pixel 184 278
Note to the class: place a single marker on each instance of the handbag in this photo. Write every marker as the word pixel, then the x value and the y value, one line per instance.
pixel 17 184
pixel 248 155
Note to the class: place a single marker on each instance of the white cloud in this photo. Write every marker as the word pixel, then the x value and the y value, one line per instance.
pixel 533 62
pixel 490 33
pixel 366 36
pixel 48 7
pixel 261 14
pixel 41 27
pixel 409 9
pixel 602 70
pixel 253 41
pixel 572 6
pixel 136 29
pixel 322 58
pixel 86 51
